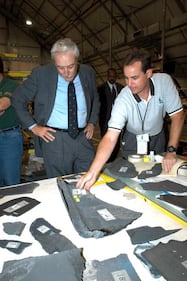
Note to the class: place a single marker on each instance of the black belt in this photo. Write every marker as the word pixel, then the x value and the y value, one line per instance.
pixel 9 129
pixel 64 130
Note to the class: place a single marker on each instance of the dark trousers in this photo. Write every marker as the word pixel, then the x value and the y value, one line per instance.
pixel 156 144
pixel 65 155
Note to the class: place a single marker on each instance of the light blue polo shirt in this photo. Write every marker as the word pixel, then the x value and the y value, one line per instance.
pixel 59 115
pixel 141 117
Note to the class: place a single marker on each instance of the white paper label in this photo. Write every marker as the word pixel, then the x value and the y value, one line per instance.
pixel 12 245
pixel 16 206
pixel 106 215
pixel 142 141
pixel 43 228
pixel 121 275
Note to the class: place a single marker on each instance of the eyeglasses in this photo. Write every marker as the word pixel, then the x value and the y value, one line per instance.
pixel 68 67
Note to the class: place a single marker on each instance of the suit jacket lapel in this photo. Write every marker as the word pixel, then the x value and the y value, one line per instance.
pixel 51 87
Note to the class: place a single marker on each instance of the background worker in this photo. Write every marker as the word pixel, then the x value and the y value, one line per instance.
pixel 141 106
pixel 108 92
pixel 11 139
pixel 50 87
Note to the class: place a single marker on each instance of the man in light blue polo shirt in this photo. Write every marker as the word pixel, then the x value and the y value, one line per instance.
pixel 141 107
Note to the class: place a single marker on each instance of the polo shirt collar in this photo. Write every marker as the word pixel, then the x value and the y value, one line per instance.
pixel 152 90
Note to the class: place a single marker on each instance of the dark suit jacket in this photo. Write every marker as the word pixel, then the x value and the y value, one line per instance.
pixel 41 86
pixel 106 104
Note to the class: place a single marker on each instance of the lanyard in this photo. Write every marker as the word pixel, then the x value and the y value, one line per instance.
pixel 142 119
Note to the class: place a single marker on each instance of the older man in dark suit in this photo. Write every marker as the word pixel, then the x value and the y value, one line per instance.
pixel 50 87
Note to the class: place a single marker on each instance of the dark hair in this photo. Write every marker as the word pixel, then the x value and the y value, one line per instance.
pixel 139 55
pixel 1 66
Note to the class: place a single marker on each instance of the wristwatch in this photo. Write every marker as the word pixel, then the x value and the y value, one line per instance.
pixel 171 149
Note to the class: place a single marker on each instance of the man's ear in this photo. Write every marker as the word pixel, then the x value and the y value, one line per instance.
pixel 149 72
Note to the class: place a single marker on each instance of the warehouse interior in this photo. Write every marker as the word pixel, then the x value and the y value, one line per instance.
pixel 108 220
pixel 104 30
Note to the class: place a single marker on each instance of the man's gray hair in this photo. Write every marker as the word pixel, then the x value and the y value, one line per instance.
pixel 65 45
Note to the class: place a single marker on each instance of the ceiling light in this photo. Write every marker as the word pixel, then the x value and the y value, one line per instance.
pixel 28 22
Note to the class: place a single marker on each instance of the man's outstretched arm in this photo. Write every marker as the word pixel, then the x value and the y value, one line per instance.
pixel 104 151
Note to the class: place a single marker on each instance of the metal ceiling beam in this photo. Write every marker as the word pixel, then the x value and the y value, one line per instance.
pixel 18 8
pixel 21 25
pixel 37 12
pixel 180 5
pixel 79 17
pixel 80 12
pixel 112 19
pixel 127 17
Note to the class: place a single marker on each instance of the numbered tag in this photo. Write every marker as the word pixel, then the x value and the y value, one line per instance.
pixel 121 275
pixel 142 143
pixel 106 215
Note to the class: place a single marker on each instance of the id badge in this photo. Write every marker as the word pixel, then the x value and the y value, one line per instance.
pixel 142 143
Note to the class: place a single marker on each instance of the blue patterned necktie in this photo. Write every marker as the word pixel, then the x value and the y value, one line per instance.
pixel 73 130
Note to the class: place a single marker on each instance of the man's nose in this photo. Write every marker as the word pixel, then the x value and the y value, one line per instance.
pixel 65 71
pixel 129 82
